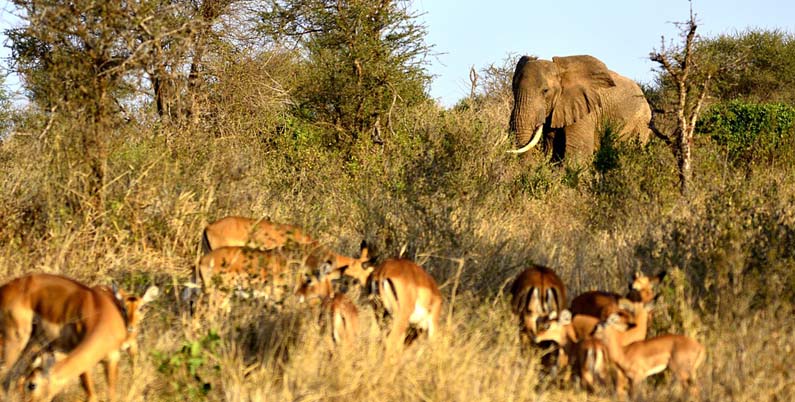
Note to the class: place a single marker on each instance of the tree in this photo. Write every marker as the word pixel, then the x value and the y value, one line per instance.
pixel 363 57
pixel 5 109
pixel 767 73
pixel 80 60
pixel 690 73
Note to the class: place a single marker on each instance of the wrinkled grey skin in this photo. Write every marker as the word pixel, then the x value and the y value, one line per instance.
pixel 574 98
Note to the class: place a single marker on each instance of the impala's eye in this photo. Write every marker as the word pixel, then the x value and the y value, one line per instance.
pixel 31 386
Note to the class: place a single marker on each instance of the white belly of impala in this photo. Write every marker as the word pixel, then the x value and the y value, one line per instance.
pixel 656 369
pixel 418 316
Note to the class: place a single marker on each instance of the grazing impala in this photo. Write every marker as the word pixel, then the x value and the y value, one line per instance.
pixel 236 231
pixel 602 304
pixel 409 295
pixel 90 325
pixel 244 271
pixel 537 292
pixel 638 360
pixel 335 309
pixel 570 333
pixel 270 274
pixel 593 365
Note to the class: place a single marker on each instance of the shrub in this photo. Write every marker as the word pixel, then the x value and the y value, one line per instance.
pixel 749 131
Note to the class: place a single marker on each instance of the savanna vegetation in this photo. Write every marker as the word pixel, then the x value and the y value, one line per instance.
pixel 149 119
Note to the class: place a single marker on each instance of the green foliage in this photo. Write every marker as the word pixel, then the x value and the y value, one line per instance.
pixel 607 157
pixel 440 188
pixel 749 131
pixel 188 366
pixel 740 238
pixel 5 109
pixel 363 58
pixel 765 65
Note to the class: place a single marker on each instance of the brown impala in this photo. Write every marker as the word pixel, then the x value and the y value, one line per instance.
pixel 90 325
pixel 237 231
pixel 409 295
pixel 537 292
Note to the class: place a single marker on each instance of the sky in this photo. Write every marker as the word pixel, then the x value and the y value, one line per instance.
pixel 621 33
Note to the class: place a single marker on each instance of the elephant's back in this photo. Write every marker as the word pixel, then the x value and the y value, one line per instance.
pixel 629 107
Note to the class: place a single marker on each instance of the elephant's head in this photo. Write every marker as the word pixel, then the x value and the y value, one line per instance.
pixel 554 94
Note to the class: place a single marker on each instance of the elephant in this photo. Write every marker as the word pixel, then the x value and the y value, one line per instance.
pixel 569 101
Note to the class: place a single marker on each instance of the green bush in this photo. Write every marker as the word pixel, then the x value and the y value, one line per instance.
pixel 194 361
pixel 749 131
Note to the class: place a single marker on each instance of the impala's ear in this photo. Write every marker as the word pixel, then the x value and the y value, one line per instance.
pixel 657 279
pixel 326 268
pixel 364 251
pixel 43 361
pixel 151 293
pixel 116 292
pixel 565 317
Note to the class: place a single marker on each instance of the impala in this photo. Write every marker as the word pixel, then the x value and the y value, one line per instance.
pixel 336 308
pixel 571 332
pixel 270 274
pixel 236 231
pixel 89 325
pixel 593 366
pixel 638 360
pixel 132 305
pixel 409 295
pixel 537 292
pixel 243 271
pixel 602 304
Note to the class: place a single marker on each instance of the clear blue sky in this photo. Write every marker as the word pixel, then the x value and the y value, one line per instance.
pixel 619 32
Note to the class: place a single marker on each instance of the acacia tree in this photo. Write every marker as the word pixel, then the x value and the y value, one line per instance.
pixel 765 65
pixel 80 60
pixel 680 65
pixel 364 58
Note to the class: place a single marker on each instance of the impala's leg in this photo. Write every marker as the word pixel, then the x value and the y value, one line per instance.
pixel 635 386
pixel 88 385
pixel 132 351
pixel 621 384
pixel 16 328
pixel 111 373
pixel 433 323
pixel 400 324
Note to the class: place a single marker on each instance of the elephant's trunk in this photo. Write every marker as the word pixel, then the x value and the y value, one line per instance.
pixel 527 133
pixel 533 141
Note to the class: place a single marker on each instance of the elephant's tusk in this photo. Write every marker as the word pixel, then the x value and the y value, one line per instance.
pixel 531 144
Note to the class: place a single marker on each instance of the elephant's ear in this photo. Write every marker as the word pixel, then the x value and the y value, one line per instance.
pixel 582 80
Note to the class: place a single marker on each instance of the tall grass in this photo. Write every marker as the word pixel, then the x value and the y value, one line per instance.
pixel 442 190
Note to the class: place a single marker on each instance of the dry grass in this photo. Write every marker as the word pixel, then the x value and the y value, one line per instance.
pixel 442 189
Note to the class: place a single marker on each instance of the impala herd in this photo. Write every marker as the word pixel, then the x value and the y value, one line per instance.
pixel 65 328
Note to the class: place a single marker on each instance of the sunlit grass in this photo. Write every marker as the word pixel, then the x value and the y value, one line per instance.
pixel 443 191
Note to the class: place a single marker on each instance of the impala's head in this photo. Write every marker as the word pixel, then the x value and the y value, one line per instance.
pixel 357 268
pixel 315 287
pixel 642 287
pixel 130 305
pixel 553 329
pixel 612 324
pixel 36 386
